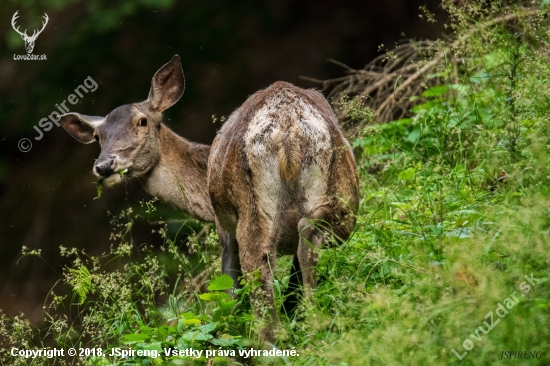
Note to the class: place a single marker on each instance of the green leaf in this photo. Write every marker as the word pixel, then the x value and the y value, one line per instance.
pixel 207 328
pixel 459 87
pixel 407 174
pixel 225 341
pixel 414 135
pixel 421 107
pixel 179 327
pixel 189 318
pixel 196 335
pixel 214 296
pixel 136 337
pixel 227 306
pixel 191 321
pixel 435 91
pixel 162 332
pixel 157 346
pixel 146 330
pixel 224 282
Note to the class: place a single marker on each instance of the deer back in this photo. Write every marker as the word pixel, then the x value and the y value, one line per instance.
pixel 281 151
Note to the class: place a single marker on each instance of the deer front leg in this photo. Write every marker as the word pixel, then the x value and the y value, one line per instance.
pixel 257 252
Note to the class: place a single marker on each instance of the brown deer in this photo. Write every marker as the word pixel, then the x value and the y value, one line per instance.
pixel 278 179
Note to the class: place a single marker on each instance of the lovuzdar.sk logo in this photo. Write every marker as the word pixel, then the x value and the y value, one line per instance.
pixel 29 40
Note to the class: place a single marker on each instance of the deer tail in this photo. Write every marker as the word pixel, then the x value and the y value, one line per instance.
pixel 287 142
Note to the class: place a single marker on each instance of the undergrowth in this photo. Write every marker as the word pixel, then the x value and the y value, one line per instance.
pixel 449 262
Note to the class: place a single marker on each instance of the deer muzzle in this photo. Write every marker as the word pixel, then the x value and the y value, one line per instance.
pixel 105 168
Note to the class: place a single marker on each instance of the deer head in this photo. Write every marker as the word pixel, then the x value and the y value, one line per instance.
pixel 129 135
pixel 29 41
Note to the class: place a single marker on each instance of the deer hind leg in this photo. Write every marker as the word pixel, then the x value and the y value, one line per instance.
pixel 231 264
pixel 256 238
pixel 293 291
pixel 311 230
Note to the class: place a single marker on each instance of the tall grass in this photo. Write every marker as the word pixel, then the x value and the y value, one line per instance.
pixel 455 213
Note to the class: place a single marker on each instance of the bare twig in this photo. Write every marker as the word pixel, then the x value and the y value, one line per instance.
pixel 203 231
pixel 391 79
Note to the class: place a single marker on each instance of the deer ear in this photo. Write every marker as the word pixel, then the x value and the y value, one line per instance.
pixel 81 127
pixel 167 86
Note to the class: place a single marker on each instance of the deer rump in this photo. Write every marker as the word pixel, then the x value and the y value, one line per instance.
pixel 278 155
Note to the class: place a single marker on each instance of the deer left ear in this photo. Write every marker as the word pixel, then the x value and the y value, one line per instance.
pixel 167 86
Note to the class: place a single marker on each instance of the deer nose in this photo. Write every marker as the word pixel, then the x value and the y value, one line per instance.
pixel 106 168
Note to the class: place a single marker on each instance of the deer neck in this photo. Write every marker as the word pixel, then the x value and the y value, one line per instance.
pixel 180 176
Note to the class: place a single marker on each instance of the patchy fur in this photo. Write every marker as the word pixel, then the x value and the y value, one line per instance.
pixel 280 175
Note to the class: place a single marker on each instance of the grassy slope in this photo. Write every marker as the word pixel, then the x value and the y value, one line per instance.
pixel 454 215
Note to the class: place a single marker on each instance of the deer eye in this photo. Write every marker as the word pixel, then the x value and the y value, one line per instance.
pixel 142 122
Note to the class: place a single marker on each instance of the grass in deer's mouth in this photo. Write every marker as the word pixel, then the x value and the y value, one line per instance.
pixel 122 172
pixel 100 183
pixel 99 187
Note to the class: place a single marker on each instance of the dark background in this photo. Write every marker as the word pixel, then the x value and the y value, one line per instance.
pixel 229 50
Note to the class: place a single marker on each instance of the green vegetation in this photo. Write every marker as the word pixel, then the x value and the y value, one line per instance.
pixel 455 213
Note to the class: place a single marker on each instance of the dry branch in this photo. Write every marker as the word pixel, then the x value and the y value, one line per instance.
pixel 389 81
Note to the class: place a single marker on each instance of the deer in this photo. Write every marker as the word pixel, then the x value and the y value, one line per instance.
pixel 29 41
pixel 280 178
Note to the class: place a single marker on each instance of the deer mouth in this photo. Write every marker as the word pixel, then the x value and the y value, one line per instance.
pixel 114 179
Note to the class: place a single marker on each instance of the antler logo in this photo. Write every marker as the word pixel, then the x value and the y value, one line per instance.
pixel 29 41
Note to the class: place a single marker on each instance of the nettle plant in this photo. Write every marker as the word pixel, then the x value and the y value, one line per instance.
pixel 209 325
pixel 140 299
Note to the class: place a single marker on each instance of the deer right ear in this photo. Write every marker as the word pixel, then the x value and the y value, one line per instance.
pixel 81 127
pixel 167 85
